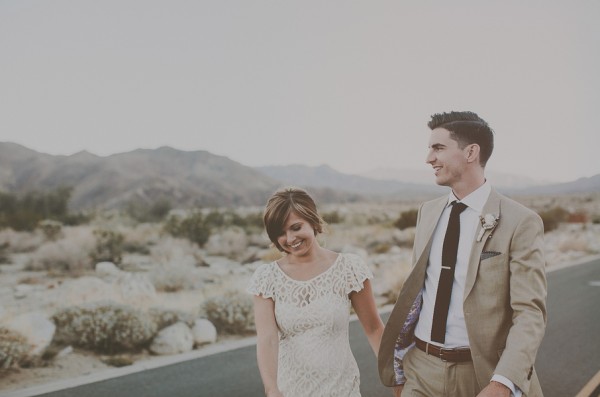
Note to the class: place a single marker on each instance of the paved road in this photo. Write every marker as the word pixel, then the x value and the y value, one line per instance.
pixel 569 356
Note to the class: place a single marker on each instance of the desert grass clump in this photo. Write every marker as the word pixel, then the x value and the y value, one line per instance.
pixel 71 254
pixel 172 277
pixel 13 348
pixel 109 246
pixel 19 242
pixel 104 327
pixel 231 313
pixel 166 317
pixel 193 227
pixel 231 243
pixel 51 229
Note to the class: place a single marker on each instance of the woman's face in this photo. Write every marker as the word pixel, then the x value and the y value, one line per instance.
pixel 298 235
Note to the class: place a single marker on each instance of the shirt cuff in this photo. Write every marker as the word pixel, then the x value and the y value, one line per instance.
pixel 514 390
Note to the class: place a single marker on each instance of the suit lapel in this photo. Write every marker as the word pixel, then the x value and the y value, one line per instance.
pixel 492 206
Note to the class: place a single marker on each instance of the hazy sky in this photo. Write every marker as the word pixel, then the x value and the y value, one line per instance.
pixel 346 83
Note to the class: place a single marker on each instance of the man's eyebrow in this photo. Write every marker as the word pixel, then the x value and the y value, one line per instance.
pixel 437 145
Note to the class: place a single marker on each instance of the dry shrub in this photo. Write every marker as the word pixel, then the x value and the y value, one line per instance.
pixel 172 277
pixel 13 348
pixel 171 250
pixel 70 254
pixel 104 327
pixel 392 277
pixel 21 241
pixel 165 317
pixel 231 313
pixel 231 243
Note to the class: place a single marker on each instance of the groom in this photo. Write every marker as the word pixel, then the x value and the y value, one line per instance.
pixel 472 313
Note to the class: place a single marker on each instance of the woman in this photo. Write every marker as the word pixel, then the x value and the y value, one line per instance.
pixel 302 306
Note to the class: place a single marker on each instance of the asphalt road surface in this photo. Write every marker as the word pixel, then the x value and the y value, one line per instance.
pixel 569 356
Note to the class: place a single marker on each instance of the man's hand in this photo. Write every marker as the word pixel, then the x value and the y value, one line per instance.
pixel 495 389
pixel 397 390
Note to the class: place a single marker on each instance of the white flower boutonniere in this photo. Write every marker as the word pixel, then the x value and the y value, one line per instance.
pixel 488 222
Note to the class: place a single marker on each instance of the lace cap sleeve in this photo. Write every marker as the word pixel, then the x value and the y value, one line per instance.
pixel 261 283
pixel 357 272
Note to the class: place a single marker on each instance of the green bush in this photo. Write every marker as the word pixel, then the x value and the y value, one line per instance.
pixel 105 327
pixel 148 213
pixel 192 227
pixel 109 246
pixel 51 229
pixel 4 258
pixel 407 219
pixel 332 217
pixel 13 348
pixel 26 211
pixel 553 217
pixel 231 313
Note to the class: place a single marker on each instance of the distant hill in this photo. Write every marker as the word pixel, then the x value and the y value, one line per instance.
pixel 581 185
pixel 184 178
pixel 199 178
pixel 425 176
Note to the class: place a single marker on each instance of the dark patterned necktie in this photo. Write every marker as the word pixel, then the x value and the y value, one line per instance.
pixel 444 291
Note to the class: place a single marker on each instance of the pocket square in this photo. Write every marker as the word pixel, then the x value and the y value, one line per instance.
pixel 489 254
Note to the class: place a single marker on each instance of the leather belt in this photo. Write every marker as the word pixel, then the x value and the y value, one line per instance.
pixel 459 355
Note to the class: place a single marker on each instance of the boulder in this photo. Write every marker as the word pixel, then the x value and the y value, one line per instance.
pixel 107 269
pixel 37 329
pixel 204 332
pixel 136 289
pixel 174 339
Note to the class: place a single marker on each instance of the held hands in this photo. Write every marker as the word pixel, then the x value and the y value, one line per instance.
pixel 397 390
pixel 495 389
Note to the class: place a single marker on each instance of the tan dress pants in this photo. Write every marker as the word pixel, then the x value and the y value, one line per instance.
pixel 429 376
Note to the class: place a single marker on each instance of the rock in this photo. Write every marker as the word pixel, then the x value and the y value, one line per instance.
pixel 37 329
pixel 65 352
pixel 204 332
pixel 174 339
pixel 107 269
pixel 136 289
pixel 22 290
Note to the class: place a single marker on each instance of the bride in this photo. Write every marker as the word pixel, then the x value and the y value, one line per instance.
pixel 302 306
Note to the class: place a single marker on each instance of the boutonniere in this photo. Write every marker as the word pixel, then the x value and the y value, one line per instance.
pixel 488 222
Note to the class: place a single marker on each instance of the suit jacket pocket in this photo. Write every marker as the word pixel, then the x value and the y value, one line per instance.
pixel 489 254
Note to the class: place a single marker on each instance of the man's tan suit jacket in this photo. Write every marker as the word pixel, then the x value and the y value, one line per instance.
pixel 505 294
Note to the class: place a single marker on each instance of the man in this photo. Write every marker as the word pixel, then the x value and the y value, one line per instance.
pixel 472 313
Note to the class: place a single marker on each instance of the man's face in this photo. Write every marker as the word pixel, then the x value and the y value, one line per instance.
pixel 446 157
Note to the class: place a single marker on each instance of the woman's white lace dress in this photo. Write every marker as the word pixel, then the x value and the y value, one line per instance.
pixel 314 350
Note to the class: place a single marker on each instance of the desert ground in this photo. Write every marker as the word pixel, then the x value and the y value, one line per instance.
pixel 42 275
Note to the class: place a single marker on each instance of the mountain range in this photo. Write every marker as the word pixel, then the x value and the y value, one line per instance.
pixel 200 178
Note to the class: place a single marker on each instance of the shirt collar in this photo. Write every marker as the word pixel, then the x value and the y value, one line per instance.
pixel 476 199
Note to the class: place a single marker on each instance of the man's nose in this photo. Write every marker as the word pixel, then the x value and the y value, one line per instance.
pixel 430 158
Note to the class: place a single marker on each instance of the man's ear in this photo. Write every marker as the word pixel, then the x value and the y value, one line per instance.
pixel 472 152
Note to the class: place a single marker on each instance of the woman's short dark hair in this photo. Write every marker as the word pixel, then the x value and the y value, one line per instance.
pixel 281 204
pixel 466 128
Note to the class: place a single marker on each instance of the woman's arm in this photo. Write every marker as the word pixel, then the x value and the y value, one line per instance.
pixel 267 344
pixel 364 306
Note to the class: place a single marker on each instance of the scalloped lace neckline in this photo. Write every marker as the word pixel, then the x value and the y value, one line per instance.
pixel 335 262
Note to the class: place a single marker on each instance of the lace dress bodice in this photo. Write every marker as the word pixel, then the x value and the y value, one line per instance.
pixel 313 317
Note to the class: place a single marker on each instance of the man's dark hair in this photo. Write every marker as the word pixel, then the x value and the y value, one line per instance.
pixel 466 128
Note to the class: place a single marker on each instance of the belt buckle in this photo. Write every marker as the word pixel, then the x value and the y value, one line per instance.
pixel 442 351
